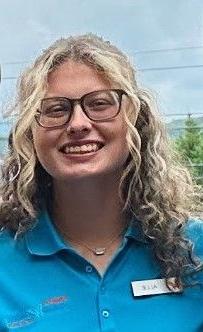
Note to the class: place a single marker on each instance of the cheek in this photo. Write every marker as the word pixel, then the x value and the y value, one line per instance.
pixel 45 155
pixel 43 141
pixel 45 137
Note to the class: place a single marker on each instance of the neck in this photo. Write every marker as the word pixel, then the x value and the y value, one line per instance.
pixel 88 212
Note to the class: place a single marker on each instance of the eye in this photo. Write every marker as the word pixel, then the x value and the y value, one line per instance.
pixel 100 103
pixel 55 111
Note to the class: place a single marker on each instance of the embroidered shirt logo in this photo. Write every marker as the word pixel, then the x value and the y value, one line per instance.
pixel 55 300
pixel 32 315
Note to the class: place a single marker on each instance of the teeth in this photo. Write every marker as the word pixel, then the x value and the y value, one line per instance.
pixel 82 149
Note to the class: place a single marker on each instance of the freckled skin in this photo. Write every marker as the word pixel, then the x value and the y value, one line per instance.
pixel 73 80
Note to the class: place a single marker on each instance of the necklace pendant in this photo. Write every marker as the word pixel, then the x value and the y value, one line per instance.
pixel 99 251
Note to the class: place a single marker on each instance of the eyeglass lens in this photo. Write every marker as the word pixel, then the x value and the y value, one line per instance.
pixel 98 105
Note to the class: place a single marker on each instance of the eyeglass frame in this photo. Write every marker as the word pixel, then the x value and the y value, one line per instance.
pixel 80 101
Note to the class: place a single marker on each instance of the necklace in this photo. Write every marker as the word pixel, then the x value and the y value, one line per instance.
pixel 98 251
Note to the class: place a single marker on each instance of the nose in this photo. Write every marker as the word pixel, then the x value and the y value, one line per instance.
pixel 78 121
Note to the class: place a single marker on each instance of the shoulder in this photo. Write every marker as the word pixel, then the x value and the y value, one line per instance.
pixel 9 245
pixel 6 237
pixel 193 231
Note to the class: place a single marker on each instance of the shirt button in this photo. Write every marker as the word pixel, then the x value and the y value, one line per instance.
pixel 102 289
pixel 105 313
pixel 88 268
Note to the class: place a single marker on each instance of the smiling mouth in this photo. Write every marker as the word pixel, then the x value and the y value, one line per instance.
pixel 81 150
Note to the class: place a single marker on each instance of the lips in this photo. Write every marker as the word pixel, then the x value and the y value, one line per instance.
pixel 73 144
pixel 82 149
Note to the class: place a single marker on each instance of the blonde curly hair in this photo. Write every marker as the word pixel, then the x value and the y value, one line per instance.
pixel 154 187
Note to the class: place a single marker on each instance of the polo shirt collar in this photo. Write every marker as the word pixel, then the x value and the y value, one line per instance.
pixel 43 239
pixel 134 231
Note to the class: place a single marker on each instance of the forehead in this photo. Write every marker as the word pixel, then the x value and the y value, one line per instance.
pixel 73 79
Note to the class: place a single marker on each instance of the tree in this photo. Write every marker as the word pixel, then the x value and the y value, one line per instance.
pixel 190 147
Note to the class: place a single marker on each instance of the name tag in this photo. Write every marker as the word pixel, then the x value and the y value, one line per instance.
pixel 155 286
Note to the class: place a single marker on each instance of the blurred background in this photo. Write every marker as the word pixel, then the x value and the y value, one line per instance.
pixel 164 39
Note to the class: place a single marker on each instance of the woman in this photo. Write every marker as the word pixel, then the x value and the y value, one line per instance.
pixel 95 209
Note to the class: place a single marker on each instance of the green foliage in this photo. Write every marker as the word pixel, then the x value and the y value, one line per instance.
pixel 190 147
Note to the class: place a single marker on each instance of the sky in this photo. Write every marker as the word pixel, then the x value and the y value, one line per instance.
pixel 154 33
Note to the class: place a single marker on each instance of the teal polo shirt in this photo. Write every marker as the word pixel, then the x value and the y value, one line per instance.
pixel 46 286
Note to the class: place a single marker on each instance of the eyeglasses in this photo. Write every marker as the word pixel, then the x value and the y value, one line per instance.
pixel 97 105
